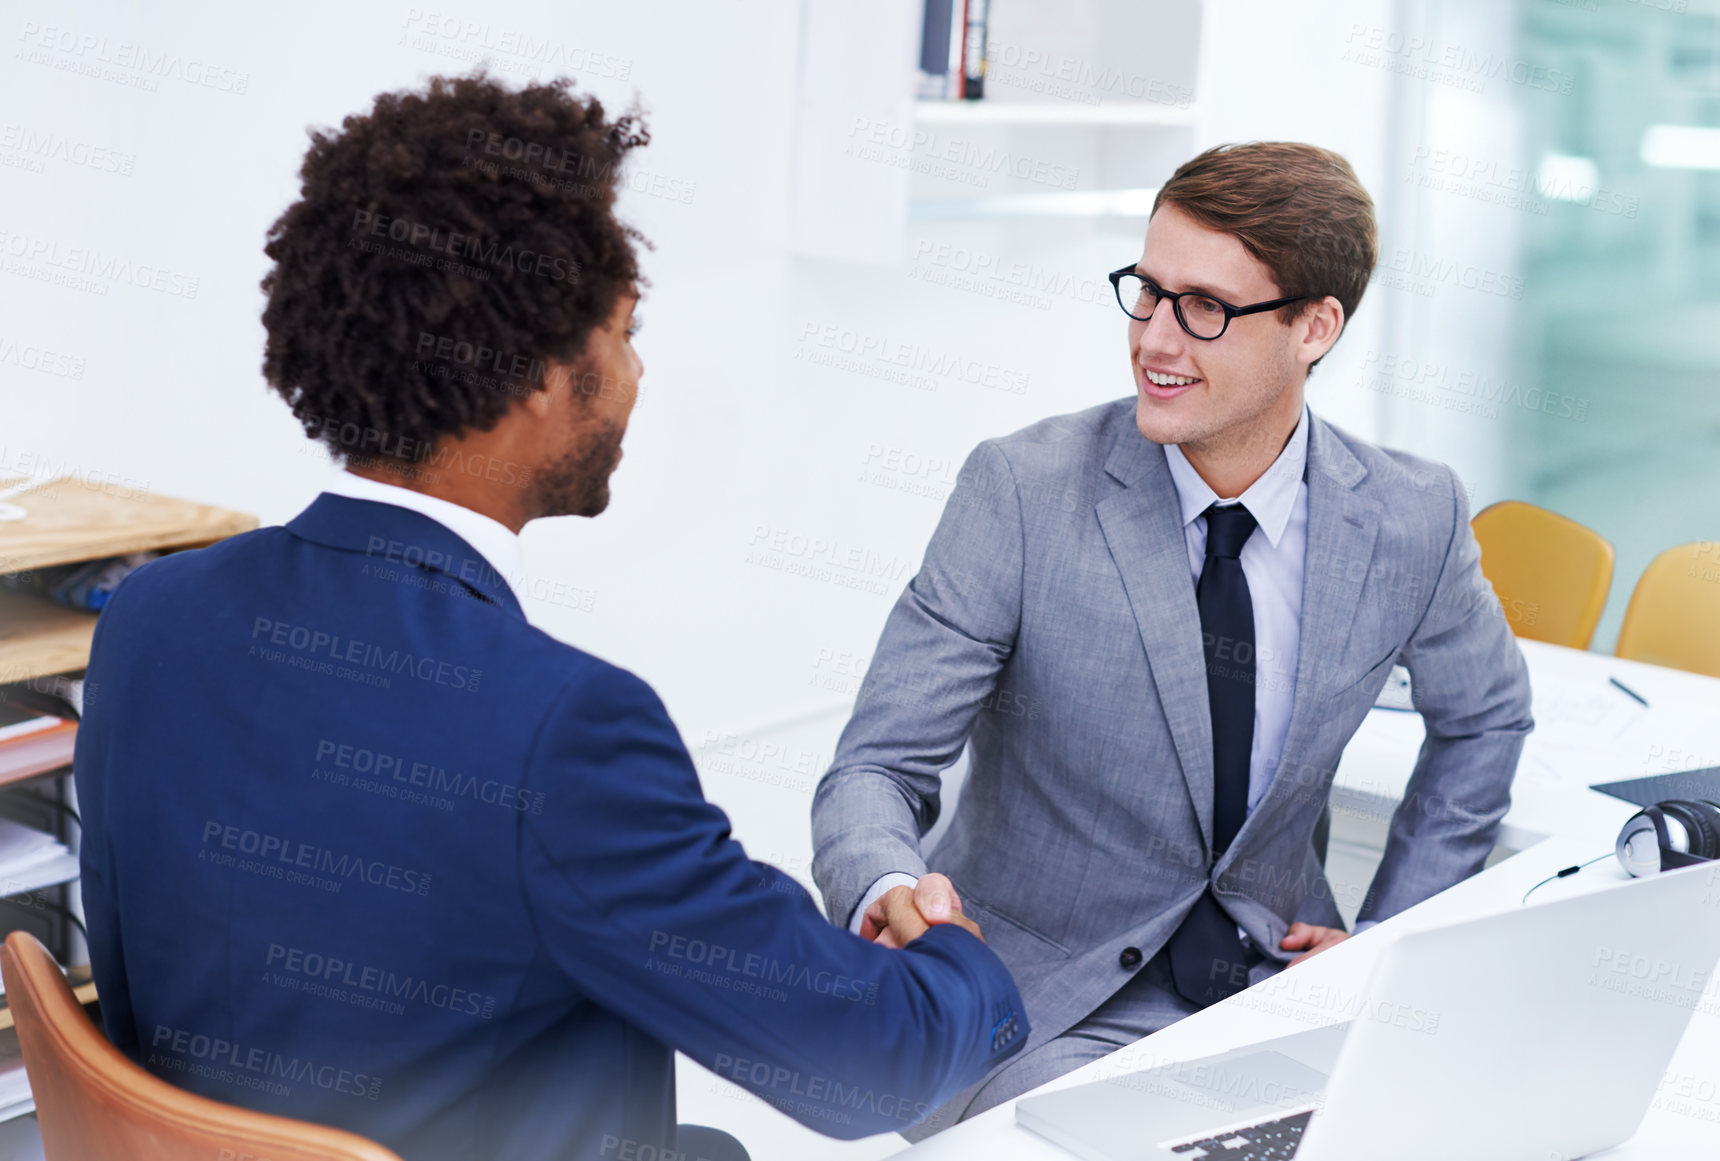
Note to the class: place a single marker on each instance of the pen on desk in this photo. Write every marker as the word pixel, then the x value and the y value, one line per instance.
pixel 1629 692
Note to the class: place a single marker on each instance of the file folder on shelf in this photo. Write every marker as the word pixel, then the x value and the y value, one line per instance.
pixel 32 740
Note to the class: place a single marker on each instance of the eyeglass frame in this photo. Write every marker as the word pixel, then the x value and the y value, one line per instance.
pixel 1230 312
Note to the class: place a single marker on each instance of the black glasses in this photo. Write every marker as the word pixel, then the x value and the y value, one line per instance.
pixel 1204 317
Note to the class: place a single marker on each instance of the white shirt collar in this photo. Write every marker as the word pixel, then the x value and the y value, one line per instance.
pixel 495 542
pixel 1270 499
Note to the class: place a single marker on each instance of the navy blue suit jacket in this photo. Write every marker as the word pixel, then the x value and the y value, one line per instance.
pixel 362 846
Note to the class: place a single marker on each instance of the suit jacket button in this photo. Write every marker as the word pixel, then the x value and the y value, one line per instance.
pixel 1131 958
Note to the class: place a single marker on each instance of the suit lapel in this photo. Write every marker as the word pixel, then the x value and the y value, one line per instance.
pixel 1142 524
pixel 1342 528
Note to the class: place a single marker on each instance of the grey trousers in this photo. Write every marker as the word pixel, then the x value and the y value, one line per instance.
pixel 1140 1007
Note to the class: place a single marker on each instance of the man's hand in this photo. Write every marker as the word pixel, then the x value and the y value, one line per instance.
pixel 902 914
pixel 1311 939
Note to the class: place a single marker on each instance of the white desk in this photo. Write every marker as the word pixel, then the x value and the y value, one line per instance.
pixel 1587 731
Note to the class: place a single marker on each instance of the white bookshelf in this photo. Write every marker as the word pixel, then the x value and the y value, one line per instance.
pixel 1088 203
pixel 1089 106
pixel 1072 113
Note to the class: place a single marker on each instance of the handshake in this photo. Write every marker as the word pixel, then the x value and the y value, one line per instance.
pixel 903 914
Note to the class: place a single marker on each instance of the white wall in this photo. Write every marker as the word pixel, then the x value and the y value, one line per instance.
pixel 1274 72
pixel 1391 84
pixel 739 438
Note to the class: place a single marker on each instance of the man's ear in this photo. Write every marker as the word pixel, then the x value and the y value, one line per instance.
pixel 542 401
pixel 1321 325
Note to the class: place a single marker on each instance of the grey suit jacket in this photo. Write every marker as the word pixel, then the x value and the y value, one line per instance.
pixel 1052 626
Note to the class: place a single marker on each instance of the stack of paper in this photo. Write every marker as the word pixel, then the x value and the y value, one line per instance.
pixel 15 1098
pixel 30 859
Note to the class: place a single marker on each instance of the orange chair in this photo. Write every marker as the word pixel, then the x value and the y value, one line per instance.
pixel 1551 573
pixel 94 1104
pixel 1674 613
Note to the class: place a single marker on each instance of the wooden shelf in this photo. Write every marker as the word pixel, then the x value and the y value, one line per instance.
pixel 68 521
pixel 38 637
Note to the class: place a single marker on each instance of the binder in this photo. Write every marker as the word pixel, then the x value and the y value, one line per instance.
pixel 32 740
pixel 952 49
pixel 973 50
pixel 935 49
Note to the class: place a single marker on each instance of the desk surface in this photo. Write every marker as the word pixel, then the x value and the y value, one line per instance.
pixel 1586 731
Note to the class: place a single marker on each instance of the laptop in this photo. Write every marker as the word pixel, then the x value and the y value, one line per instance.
pixel 1542 1032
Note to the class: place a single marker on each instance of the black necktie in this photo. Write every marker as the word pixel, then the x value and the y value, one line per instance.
pixel 1227 631
pixel 1208 961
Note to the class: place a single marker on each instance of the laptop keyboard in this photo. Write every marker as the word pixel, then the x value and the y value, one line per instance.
pixel 1268 1141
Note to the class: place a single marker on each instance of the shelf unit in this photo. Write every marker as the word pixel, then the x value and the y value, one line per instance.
pixel 67 521
pixel 1076 203
pixel 1097 103
pixel 998 112
pixel 1121 202
pixel 39 638
pixel 1097 99
pixel 54 872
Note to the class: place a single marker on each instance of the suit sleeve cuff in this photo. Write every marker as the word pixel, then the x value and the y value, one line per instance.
pixel 884 885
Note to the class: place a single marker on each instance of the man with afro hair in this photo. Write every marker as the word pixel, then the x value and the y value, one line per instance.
pixel 364 847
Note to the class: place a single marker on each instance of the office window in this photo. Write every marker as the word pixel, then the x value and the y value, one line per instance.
pixel 1619 325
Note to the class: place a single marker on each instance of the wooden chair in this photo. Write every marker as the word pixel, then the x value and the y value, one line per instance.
pixel 1551 573
pixel 1674 614
pixel 94 1104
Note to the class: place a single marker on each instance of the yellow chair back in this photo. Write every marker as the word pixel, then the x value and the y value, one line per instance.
pixel 1674 613
pixel 1551 573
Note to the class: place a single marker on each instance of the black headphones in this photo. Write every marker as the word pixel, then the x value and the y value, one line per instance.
pixel 1674 833
pixel 1678 832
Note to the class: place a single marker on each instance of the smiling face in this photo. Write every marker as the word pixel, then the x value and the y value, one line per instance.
pixel 1241 388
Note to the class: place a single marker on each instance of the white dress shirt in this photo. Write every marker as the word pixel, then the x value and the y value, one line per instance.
pixel 495 542
pixel 1272 560
pixel 1273 564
